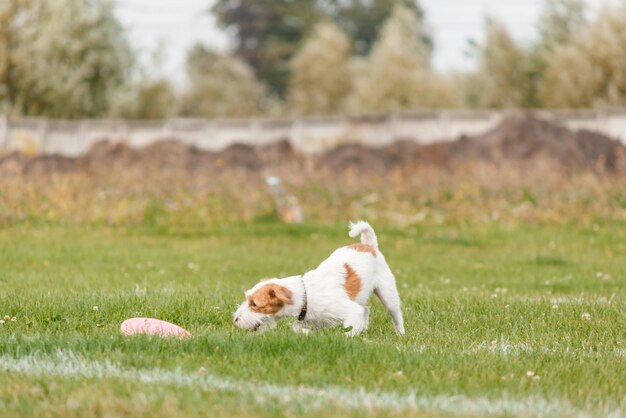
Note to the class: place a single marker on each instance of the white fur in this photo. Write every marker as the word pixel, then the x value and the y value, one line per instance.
pixel 362 228
pixel 328 303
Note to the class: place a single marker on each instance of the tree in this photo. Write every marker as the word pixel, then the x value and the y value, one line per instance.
pixel 221 85
pixel 320 78
pixel 362 19
pixel 605 46
pixel 15 20
pixel 570 79
pixel 267 34
pixel 503 69
pixel 145 99
pixel 397 74
pixel 149 95
pixel 561 21
pixel 72 56
pixel 591 70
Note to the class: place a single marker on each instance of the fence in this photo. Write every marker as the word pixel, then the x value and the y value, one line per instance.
pixel 310 135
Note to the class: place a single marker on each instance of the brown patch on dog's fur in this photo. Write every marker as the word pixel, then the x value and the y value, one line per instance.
pixel 353 282
pixel 363 248
pixel 269 299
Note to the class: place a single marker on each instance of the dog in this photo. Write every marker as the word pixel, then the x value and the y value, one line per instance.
pixel 335 293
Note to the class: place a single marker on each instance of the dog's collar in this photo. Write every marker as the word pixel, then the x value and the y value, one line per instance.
pixel 304 304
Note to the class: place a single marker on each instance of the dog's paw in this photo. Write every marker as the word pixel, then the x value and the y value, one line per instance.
pixel 299 328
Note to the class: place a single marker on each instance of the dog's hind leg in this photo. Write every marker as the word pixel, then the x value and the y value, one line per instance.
pixel 356 318
pixel 387 292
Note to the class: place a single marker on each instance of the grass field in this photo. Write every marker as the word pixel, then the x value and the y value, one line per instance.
pixel 503 321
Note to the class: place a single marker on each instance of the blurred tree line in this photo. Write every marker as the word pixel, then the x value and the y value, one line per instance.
pixel 61 58
pixel 72 59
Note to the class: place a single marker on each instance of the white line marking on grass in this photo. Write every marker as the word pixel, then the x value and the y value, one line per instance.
pixel 568 300
pixel 503 347
pixel 69 365
pixel 507 348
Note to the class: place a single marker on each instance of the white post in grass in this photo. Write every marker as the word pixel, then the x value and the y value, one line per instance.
pixel 287 206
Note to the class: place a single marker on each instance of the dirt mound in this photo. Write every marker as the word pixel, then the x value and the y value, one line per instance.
pixel 403 154
pixel 17 163
pixel 355 156
pixel 173 155
pixel 526 137
pixel 240 156
pixel 278 152
pixel 523 138
pixel 108 155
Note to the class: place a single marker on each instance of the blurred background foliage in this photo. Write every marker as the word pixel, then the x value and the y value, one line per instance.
pixel 63 59
pixel 72 59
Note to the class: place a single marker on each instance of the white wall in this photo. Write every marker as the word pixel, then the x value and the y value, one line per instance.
pixel 310 135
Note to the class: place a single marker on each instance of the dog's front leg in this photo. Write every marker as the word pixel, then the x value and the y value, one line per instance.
pixel 300 328
pixel 266 326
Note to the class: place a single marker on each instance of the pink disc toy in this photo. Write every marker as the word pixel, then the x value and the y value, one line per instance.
pixel 151 326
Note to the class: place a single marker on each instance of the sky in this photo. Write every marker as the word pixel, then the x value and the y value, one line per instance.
pixel 172 26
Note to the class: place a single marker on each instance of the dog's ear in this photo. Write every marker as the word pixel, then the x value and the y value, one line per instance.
pixel 282 294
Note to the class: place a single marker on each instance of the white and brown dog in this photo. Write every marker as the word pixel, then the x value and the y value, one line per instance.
pixel 335 293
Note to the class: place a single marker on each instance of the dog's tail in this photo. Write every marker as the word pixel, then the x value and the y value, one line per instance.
pixel 368 236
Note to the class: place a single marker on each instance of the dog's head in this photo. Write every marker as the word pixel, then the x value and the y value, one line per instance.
pixel 263 305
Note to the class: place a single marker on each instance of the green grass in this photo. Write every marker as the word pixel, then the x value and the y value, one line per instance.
pixel 483 305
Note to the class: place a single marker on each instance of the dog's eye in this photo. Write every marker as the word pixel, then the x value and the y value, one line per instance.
pixel 251 304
